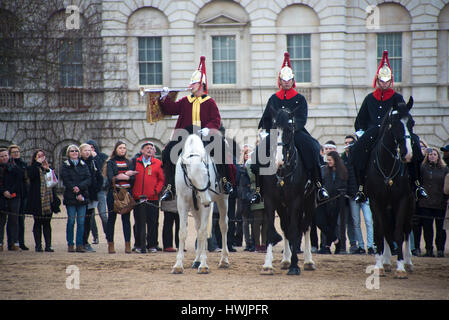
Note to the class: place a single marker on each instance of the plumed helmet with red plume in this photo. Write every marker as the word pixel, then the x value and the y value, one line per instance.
pixel 286 72
pixel 199 75
pixel 384 70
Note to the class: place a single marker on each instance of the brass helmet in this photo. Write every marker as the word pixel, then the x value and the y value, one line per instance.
pixel 199 75
pixel 384 71
pixel 286 72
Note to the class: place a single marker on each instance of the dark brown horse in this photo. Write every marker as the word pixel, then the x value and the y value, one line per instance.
pixel 389 191
pixel 284 192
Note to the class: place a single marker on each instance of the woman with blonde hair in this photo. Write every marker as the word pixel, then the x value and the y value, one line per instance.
pixel 76 179
pixel 432 209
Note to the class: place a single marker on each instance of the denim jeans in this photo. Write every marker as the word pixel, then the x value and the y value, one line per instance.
pixel 355 212
pixel 77 213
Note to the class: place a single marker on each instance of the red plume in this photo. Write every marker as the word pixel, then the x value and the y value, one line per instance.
pixel 202 68
pixel 384 59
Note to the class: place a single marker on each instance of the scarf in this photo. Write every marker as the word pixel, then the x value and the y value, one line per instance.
pixel 197 101
pixel 46 195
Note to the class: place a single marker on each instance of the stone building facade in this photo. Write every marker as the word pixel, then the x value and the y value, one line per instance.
pixel 335 45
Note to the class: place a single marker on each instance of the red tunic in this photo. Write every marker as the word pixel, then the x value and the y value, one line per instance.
pixel 209 114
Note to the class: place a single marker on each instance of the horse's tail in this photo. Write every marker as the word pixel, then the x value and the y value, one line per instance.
pixel 209 222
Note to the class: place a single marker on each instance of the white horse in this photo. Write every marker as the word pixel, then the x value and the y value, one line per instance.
pixel 197 188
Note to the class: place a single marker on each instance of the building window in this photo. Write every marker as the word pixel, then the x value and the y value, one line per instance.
pixel 7 69
pixel 392 42
pixel 298 46
pixel 150 60
pixel 71 63
pixel 223 59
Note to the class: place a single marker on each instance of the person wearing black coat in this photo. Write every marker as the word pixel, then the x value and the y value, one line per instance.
pixel 12 191
pixel 335 178
pixel 42 202
pixel 15 160
pixel 76 179
pixel 93 189
pixel 100 160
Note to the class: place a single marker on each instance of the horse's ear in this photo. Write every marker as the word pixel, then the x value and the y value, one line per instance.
pixel 410 103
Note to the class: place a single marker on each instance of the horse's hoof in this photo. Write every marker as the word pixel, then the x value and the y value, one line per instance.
pixel 177 270
pixel 223 265
pixel 195 264
pixel 295 271
pixel 267 271
pixel 387 267
pixel 408 267
pixel 400 274
pixel 310 266
pixel 285 265
pixel 203 270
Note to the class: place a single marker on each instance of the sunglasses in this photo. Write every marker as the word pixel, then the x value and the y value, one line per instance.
pixel 73 151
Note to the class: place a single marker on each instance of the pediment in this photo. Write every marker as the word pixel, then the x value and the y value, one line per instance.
pixel 221 20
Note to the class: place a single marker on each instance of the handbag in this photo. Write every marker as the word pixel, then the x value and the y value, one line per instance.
pixel 50 179
pixel 123 201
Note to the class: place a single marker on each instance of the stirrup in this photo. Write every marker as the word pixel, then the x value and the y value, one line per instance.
pixel 360 195
pixel 321 192
pixel 420 192
pixel 227 186
pixel 256 198
pixel 168 194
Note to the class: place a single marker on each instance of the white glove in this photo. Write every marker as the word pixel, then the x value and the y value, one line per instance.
pixel 204 131
pixel 359 133
pixel 164 92
pixel 263 134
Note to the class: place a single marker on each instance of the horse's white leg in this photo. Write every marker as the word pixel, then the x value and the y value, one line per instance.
pixel 286 255
pixel 223 210
pixel 308 262
pixel 408 256
pixel 202 240
pixel 386 257
pixel 178 267
pixel 268 266
pixel 379 265
pixel 196 262
pixel 400 270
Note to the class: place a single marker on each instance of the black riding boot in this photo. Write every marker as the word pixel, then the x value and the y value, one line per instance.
pixel 322 193
pixel 256 198
pixel 414 171
pixel 170 191
pixel 227 186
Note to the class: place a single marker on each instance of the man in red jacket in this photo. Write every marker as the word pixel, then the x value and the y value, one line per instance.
pixel 147 186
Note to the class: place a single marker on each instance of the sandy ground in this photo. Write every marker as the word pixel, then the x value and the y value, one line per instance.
pixel 32 275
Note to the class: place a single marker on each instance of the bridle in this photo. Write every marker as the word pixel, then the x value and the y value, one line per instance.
pixel 290 161
pixel 188 181
pixel 388 179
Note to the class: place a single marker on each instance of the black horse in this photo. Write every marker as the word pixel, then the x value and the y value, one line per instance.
pixel 389 189
pixel 286 193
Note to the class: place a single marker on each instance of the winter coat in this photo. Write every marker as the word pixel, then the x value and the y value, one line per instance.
pixel 150 179
pixel 34 203
pixel 75 175
pixel 96 179
pixel 432 179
